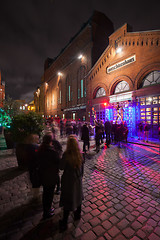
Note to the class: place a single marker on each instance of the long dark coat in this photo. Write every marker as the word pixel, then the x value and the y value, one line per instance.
pixel 33 166
pixel 85 133
pixel 48 165
pixel 71 185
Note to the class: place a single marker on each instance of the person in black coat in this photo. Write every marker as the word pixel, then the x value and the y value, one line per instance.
pixel 48 170
pixel 85 137
pixel 58 148
pixel 71 182
pixel 107 126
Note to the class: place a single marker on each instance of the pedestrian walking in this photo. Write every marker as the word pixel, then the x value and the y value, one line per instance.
pixel 140 131
pixel 61 128
pixel 58 148
pixel 85 137
pixel 48 168
pixel 71 181
pixel 146 131
pixel 107 127
pixel 98 134
pixel 33 165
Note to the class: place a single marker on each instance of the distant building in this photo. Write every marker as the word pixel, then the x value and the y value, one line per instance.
pixel 2 91
pixel 31 106
pixel 25 107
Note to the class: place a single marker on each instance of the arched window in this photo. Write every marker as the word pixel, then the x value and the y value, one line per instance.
pixel 100 93
pixel 121 87
pixel 151 78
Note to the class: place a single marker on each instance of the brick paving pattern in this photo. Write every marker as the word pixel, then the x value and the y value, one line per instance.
pixel 121 198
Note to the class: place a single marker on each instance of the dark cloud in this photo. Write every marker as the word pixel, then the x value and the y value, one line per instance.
pixel 32 30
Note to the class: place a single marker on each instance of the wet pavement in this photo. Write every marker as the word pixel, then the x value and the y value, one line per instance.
pixel 121 197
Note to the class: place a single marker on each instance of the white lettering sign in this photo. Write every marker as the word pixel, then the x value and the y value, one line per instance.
pixel 121 64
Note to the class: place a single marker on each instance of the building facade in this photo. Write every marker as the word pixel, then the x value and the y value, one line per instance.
pixel 104 74
pixel 124 84
pixel 63 92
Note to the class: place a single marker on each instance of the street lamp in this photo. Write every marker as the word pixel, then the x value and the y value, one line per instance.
pixel 118 50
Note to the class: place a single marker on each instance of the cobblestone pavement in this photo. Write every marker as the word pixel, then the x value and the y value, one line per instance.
pixel 121 198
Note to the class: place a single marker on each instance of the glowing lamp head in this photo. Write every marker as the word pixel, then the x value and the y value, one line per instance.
pixel 105 104
pixel 80 56
pixel 59 74
pixel 119 50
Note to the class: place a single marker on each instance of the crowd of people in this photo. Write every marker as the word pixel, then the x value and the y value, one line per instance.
pixel 46 158
pixel 108 131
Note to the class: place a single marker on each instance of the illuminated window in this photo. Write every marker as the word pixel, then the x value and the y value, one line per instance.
pixel 81 83
pixel 100 93
pixel 122 87
pixel 151 78
pixel 82 88
pixel 69 93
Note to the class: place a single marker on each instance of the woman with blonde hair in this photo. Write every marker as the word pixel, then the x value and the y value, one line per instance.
pixel 71 181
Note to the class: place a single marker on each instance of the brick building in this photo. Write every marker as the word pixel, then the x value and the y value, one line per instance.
pixel 113 74
pixel 2 91
pixel 62 92
pixel 124 84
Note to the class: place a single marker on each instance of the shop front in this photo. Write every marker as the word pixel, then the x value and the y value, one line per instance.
pixel 148 110
pixel 77 113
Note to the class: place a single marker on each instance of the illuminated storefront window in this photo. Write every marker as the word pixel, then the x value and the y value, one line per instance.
pixel 150 112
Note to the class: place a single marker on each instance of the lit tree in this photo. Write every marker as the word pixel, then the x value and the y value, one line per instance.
pixel 11 107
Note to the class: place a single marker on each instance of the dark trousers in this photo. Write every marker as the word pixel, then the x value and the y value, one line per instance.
pixel 58 183
pixel 85 143
pixel 66 214
pixel 108 139
pixel 47 198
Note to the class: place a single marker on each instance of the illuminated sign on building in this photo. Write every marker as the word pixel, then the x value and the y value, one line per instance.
pixel 121 64
pixel 75 108
pixel 120 97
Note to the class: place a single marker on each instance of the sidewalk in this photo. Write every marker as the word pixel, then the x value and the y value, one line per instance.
pixel 121 198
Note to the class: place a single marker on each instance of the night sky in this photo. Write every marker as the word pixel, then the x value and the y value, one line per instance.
pixel 32 30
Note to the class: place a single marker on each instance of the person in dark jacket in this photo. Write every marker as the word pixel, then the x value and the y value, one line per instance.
pixel 58 148
pixel 33 166
pixel 71 181
pixel 98 134
pixel 107 126
pixel 48 169
pixel 85 137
